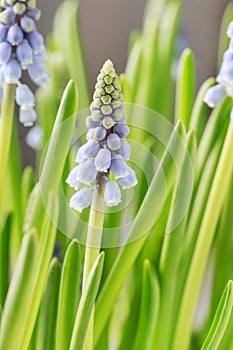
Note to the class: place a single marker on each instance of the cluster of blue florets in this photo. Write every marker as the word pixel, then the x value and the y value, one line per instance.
pixel 103 158
pixel 22 48
pixel 215 94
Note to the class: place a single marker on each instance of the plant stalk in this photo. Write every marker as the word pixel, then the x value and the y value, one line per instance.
pixel 94 237
pixel 6 127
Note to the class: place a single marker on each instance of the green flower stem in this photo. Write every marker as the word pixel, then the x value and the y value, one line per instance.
pixel 6 126
pixel 204 242
pixel 94 236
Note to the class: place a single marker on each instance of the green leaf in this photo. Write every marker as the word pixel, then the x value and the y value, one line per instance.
pixel 221 320
pixel 86 304
pixel 219 118
pixel 45 337
pixel 133 67
pixel 47 241
pixel 143 222
pixel 172 250
pixel 200 109
pixel 168 32
pixel 27 184
pixel 68 296
pixel 185 88
pixel 68 40
pixel 4 258
pixel 57 151
pixel 149 308
pixel 201 253
pixel 20 292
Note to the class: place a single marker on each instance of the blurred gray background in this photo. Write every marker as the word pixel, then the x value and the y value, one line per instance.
pixel 106 24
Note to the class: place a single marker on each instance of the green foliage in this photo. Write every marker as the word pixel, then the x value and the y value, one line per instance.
pixel 141 293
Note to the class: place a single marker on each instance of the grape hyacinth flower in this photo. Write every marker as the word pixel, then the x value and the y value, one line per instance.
pixel 224 87
pixel 22 48
pixel 102 160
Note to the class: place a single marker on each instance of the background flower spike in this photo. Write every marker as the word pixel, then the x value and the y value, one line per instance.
pixel 22 48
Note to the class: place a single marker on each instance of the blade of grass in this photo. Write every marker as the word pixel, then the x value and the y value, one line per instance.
pixel 45 336
pixel 47 242
pixel 4 258
pixel 200 108
pixel 149 308
pixel 185 88
pixel 172 250
pixel 218 118
pixel 69 296
pixel 221 320
pixel 20 291
pixel 57 151
pixel 86 304
pixel 68 40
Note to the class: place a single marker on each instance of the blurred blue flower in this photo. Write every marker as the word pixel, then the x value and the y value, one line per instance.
pixel 22 48
pixel 104 156
pixel 215 94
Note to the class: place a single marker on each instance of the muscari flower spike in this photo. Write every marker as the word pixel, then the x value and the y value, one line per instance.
pixel 224 87
pixel 103 158
pixel 22 48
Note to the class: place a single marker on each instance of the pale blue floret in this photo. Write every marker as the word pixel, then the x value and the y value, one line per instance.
pixel 24 97
pixel 128 181
pixel 121 129
pixel 119 167
pixel 81 199
pixel 34 13
pixel 5 52
pixel 12 72
pixel 99 133
pixel 125 149
pixel 3 32
pixel 214 95
pixel 91 149
pixel 38 73
pixel 24 53
pixel 112 194
pixel 80 158
pixel 228 56
pixel 27 24
pixel 34 138
pixel 72 178
pixel 87 173
pixel 225 76
pixel 7 16
pixel 15 35
pixel 27 116
pixel 103 160
pixel 113 142
pixel 36 41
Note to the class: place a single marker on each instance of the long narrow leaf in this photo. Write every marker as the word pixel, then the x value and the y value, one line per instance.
pixel 221 320
pixel 68 296
pixel 20 291
pixel 45 337
pixel 149 308
pixel 86 304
